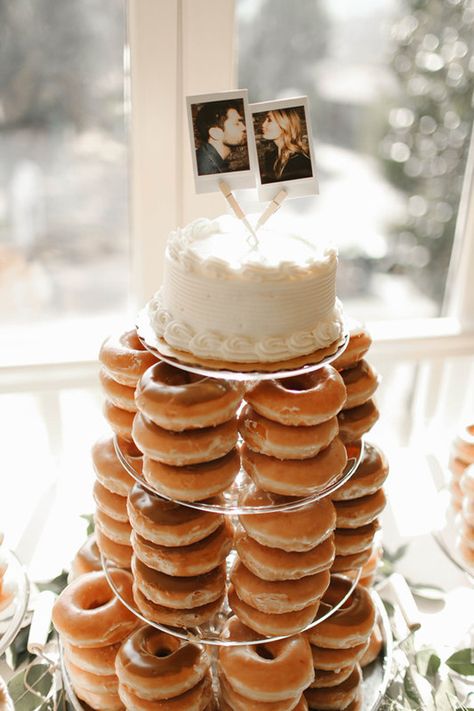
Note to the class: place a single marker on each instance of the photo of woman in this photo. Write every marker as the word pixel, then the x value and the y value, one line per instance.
pixel 284 148
pixel 284 127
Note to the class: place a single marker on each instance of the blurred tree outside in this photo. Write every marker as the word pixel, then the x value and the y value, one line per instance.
pixel 425 149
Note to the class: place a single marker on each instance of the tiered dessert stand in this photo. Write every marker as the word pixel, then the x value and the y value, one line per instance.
pixel 230 503
pixel 447 533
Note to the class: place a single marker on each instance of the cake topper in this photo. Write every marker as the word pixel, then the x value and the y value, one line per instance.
pixel 284 148
pixel 222 141
pixel 236 145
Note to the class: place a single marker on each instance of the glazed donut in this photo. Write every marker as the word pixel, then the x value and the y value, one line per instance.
pixel 374 647
pixel 120 421
pixel 351 625
pixel 336 697
pixel 109 701
pixel 349 562
pixel 194 482
pixel 463 445
pixel 295 477
pixel 276 564
pixel 267 672
pixel 124 357
pixel 325 659
pixel 367 478
pixel 299 530
pixel 88 614
pixel 177 400
pixel 8 592
pixel 359 343
pixel 117 531
pixel 179 593
pixel 326 679
pixel 271 624
pixel 6 702
pixel 354 540
pixel 355 513
pixel 456 467
pixel 283 441
pixel 108 469
pixel 149 654
pixel 307 399
pixel 468 511
pixel 234 701
pixel 86 560
pixel 90 681
pixel 361 382
pixel 197 698
pixel 116 553
pixel 97 660
pixel 277 596
pixel 166 523
pixel 457 497
pixel 184 448
pixel 113 505
pixel 357 421
pixel 122 396
pixel 467 482
pixel 190 617
pixel 183 561
pixel 466 551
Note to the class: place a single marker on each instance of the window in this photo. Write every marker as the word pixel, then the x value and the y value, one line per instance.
pixel 392 110
pixel 63 174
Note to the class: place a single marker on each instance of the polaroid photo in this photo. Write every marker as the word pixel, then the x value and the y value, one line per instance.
pixel 222 141
pixel 284 148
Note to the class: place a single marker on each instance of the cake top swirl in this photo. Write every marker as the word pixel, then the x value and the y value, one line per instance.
pixel 221 248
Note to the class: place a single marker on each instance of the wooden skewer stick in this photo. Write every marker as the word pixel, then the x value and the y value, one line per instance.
pixel 271 208
pixel 239 213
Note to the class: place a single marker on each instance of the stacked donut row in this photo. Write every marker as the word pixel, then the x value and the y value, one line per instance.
pixel 359 413
pixel 111 488
pixel 282 567
pixel 124 360
pixel 360 501
pixel 339 647
pixel 461 465
pixel 178 560
pixel 92 623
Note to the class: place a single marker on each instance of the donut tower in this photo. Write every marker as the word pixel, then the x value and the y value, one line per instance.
pixel 123 361
pixel 461 466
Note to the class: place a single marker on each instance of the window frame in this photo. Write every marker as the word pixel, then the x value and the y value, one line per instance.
pixel 174 50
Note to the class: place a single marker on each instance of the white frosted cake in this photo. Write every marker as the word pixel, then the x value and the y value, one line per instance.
pixel 224 299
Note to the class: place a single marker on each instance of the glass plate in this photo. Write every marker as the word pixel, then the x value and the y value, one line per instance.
pixel 151 343
pixel 229 501
pixel 445 536
pixel 12 616
pixel 377 675
pixel 210 633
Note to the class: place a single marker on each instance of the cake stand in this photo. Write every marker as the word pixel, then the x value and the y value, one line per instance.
pixel 11 617
pixel 446 535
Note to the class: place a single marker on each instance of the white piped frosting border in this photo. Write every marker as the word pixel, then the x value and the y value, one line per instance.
pixel 222 299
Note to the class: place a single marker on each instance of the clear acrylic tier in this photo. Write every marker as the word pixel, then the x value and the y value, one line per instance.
pixel 11 617
pixel 230 501
pixel 150 341
pixel 211 632
pixel 447 534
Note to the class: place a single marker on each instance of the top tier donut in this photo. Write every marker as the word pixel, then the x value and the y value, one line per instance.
pixel 224 300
